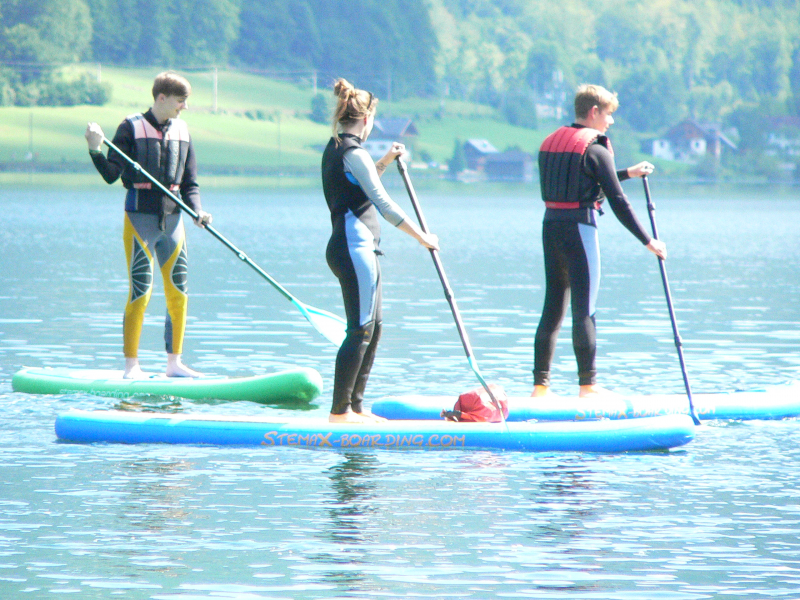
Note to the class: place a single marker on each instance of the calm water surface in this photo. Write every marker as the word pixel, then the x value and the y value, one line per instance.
pixel 719 518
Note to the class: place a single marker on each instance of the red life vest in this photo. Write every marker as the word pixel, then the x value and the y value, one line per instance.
pixel 162 154
pixel 560 167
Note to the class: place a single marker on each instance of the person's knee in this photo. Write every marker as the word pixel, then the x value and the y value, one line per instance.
pixel 366 333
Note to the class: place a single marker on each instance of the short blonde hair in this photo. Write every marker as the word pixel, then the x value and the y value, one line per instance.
pixel 351 104
pixel 170 83
pixel 589 95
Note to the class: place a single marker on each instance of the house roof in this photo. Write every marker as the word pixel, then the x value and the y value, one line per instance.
pixel 394 128
pixel 480 146
pixel 690 129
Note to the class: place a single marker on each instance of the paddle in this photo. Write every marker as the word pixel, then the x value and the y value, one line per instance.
pixel 448 293
pixel 329 325
pixel 651 209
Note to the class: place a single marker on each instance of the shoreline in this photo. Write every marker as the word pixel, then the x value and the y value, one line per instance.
pixel 299 180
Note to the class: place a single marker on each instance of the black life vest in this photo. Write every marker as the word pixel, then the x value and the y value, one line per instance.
pixel 160 153
pixel 563 183
pixel 342 194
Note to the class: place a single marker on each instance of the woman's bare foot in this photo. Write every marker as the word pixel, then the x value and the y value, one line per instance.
pixel 176 368
pixel 595 391
pixel 369 417
pixel 348 417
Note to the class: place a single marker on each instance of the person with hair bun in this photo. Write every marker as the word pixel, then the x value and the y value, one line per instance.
pixel 355 197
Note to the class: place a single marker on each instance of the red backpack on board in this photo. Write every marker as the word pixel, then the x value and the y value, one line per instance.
pixel 476 406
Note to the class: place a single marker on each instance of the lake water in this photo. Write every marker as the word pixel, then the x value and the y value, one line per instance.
pixel 718 518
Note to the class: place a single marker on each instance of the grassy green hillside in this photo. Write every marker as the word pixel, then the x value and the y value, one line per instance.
pixel 261 127
pixel 259 123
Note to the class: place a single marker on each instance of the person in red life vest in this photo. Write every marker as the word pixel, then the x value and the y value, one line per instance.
pixel 351 183
pixel 159 141
pixel 577 173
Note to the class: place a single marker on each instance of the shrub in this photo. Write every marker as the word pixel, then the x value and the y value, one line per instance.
pixel 319 109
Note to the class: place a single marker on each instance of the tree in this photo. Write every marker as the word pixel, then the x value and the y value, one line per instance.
pixel 280 35
pixel 116 30
pixel 319 109
pixel 458 162
pixel 36 36
pixel 35 39
pixel 794 82
pixel 205 31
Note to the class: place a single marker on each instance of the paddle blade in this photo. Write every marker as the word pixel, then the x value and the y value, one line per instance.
pixel 331 326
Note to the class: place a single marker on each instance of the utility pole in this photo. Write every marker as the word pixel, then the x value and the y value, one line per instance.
pixel 389 95
pixel 279 147
pixel 30 148
pixel 215 90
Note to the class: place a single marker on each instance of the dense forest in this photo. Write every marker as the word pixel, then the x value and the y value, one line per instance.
pixel 714 60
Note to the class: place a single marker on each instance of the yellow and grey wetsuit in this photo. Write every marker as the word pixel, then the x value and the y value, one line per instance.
pixel 153 228
pixel 145 241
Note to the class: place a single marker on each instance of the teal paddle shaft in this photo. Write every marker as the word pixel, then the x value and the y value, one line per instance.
pixel 448 293
pixel 328 324
pixel 651 209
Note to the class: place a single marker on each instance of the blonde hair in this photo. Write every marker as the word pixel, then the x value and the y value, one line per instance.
pixel 170 83
pixel 351 104
pixel 589 95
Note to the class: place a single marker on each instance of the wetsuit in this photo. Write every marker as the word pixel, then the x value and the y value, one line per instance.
pixel 575 181
pixel 153 227
pixel 355 197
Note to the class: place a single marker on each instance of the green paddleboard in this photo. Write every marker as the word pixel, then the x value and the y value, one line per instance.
pixel 283 387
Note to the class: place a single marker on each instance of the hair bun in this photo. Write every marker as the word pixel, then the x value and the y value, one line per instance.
pixel 343 88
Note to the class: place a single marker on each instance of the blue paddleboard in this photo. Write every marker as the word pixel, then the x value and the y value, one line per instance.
pixel 652 433
pixel 774 402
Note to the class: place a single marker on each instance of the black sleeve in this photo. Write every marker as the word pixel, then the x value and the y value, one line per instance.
pixel 112 166
pixel 190 189
pixel 600 164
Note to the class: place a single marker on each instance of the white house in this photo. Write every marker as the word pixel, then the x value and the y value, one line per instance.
pixel 690 141
pixel 387 131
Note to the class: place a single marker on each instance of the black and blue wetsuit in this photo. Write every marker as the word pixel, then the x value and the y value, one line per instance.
pixel 577 172
pixel 355 197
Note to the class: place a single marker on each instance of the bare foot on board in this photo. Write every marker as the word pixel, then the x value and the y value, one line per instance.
pixel 348 417
pixel 133 370
pixel 176 368
pixel 596 391
pixel 371 418
pixel 541 391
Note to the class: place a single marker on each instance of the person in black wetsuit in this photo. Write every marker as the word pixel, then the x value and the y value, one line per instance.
pixel 355 196
pixel 159 141
pixel 577 172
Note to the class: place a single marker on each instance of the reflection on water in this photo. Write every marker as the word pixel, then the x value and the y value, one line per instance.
pixel 353 521
pixel 717 519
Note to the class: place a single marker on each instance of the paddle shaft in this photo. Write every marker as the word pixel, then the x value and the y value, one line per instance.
pixel 188 210
pixel 448 292
pixel 651 209
pixel 329 325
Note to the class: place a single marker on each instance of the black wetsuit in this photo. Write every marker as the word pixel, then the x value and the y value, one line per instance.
pixel 572 258
pixel 355 197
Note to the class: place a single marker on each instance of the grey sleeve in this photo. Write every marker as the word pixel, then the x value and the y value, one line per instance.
pixel 358 163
